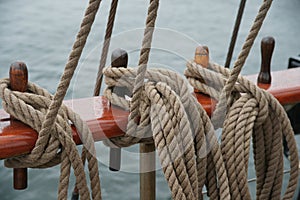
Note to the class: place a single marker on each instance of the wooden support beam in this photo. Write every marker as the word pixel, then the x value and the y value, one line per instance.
pixel 107 121
pixel 147 172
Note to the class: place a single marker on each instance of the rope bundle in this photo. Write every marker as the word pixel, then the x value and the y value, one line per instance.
pixel 255 113
pixel 48 116
pixel 56 146
pixel 181 130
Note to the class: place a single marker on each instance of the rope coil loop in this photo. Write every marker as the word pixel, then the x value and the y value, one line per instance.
pixel 164 112
pixel 30 108
pixel 180 129
pixel 253 113
pixel 49 117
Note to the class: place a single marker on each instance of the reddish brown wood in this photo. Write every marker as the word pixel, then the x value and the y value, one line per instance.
pixel 103 120
pixel 18 77
pixel 285 85
pixel 267 48
pixel 201 58
pixel 107 122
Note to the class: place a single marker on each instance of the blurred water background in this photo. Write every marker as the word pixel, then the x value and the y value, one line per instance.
pixel 41 33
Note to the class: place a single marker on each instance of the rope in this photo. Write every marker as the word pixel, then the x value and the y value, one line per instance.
pixel 142 67
pixel 49 117
pixel 220 112
pixel 180 128
pixel 134 134
pixel 254 113
pixel 182 132
pixel 235 32
pixel 164 104
pixel 31 108
pixel 107 37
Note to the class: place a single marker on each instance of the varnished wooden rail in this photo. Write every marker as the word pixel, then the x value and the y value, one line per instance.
pixel 107 121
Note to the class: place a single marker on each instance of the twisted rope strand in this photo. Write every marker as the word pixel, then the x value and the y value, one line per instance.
pixel 268 122
pixel 219 114
pixel 106 44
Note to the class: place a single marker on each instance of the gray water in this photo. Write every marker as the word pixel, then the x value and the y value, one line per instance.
pixel 41 34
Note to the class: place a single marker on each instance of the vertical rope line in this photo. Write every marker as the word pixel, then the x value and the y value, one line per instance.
pixel 220 112
pixel 238 65
pixel 144 57
pixel 65 80
pixel 107 38
pixel 235 32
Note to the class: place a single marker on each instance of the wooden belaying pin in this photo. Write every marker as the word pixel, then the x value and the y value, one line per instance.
pixel 201 58
pixel 18 77
pixel 267 48
pixel 119 58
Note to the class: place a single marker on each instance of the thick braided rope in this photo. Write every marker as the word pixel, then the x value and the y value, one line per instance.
pixel 30 108
pixel 181 130
pixel 258 114
pixel 64 83
pixel 47 129
pixel 142 67
pixel 219 114
pixel 106 44
pixel 134 134
pixel 68 72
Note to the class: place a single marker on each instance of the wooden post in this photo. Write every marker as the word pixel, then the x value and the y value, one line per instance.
pixel 201 58
pixel 267 48
pixel 147 172
pixel 119 58
pixel 18 76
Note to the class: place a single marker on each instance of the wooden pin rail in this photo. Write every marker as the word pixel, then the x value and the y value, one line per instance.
pixel 107 121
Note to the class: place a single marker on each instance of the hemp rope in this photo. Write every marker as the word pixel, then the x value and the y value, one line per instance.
pixel 178 125
pixel 220 112
pixel 164 123
pixel 255 113
pixel 107 38
pixel 50 126
pixel 132 129
pixel 179 158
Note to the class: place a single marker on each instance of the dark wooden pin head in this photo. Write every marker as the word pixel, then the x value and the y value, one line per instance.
pixel 267 48
pixel 119 58
pixel 18 77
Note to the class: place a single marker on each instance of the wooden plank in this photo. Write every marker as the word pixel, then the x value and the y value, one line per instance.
pixel 107 122
pixel 285 85
pixel 104 121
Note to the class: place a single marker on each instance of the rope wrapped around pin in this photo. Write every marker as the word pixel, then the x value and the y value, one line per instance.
pixel 180 128
pixel 55 147
pixel 47 115
pixel 255 113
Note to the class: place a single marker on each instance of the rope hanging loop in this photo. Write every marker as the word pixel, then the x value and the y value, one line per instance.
pixel 253 114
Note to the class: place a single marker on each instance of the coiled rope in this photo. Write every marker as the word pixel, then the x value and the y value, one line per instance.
pixel 254 112
pixel 181 130
pixel 178 125
pixel 49 117
pixel 179 140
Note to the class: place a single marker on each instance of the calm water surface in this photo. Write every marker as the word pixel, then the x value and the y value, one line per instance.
pixel 41 34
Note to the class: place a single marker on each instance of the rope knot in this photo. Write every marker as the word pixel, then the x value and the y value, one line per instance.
pixel 249 112
pixel 176 123
pixel 54 146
